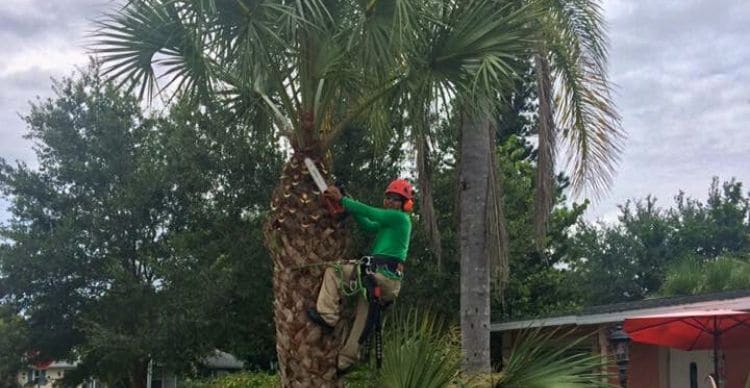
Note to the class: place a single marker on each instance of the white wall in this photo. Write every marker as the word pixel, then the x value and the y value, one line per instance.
pixel 679 367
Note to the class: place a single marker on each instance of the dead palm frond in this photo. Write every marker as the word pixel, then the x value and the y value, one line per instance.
pixel 575 103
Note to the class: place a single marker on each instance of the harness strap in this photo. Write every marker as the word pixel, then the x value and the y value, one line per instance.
pixel 392 263
pixel 373 329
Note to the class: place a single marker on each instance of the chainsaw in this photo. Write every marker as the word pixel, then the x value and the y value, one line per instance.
pixel 332 206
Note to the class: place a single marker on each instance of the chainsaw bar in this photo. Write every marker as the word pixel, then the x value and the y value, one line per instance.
pixel 317 178
pixel 334 208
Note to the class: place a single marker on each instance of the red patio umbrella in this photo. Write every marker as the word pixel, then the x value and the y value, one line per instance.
pixel 692 330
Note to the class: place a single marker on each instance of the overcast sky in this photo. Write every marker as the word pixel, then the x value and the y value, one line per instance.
pixel 682 70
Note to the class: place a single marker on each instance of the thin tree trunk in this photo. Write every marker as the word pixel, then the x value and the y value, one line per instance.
pixel 475 274
pixel 427 204
pixel 545 171
pixel 139 374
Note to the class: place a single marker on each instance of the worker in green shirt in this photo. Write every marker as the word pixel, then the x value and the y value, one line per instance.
pixel 392 228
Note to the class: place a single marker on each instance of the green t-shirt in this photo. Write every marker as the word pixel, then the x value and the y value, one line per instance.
pixel 392 228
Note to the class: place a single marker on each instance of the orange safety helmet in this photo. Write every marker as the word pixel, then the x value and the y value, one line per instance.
pixel 403 188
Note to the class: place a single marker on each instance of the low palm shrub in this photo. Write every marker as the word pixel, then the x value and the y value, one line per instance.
pixel 422 351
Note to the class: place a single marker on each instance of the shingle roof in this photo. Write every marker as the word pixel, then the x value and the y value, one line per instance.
pixel 664 302
pixel 735 300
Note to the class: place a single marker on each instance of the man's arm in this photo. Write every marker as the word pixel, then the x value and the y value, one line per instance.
pixel 365 223
pixel 368 217
pixel 375 216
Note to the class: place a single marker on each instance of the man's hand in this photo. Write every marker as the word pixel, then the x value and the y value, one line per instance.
pixel 334 193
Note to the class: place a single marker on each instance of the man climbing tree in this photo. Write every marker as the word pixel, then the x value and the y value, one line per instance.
pixel 376 279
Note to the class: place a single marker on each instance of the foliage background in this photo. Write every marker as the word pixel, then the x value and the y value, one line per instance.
pixel 183 193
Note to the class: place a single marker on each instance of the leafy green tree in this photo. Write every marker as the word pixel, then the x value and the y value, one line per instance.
pixel 626 261
pixel 537 283
pixel 221 171
pixel 13 337
pixel 717 227
pixel 633 258
pixel 86 239
pixel 713 241
pixel 138 237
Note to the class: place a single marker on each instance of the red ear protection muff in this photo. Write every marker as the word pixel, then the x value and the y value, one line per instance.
pixel 408 205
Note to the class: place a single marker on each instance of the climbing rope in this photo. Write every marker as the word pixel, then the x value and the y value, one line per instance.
pixel 350 288
pixel 355 284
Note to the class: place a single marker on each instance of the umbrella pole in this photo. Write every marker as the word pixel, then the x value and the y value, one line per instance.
pixel 716 353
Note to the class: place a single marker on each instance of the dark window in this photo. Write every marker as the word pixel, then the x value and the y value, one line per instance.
pixel 693 375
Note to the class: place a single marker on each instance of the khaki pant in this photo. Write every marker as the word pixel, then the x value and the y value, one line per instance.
pixel 329 307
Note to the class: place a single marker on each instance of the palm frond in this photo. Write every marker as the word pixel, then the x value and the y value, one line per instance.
pixel 129 40
pixel 575 104
pixel 575 42
pixel 547 147
pixel 542 359
pixel 478 44
pixel 419 351
pixel 498 246
pixel 580 24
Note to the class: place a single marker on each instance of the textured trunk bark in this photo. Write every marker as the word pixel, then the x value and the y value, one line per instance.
pixel 545 171
pixel 475 274
pixel 301 236
pixel 427 206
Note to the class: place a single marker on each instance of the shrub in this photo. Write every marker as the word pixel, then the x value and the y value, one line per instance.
pixel 238 380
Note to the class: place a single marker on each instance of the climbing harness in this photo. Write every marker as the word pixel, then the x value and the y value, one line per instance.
pixel 362 280
pixel 373 330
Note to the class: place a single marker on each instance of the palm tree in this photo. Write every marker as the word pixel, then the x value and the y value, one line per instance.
pixel 569 57
pixel 315 66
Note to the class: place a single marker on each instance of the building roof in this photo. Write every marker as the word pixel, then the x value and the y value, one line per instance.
pixel 222 360
pixel 217 360
pixel 617 312
pixel 63 365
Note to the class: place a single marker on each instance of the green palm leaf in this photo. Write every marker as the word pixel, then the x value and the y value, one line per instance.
pixel 549 359
pixel 419 352
pixel 477 46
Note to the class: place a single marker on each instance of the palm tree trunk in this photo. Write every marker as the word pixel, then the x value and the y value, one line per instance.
pixel 475 274
pixel 427 204
pixel 301 236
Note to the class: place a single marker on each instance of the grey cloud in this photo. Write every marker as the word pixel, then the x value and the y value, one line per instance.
pixel 21 26
pixel 42 26
pixel 681 67
pixel 46 19
pixel 28 80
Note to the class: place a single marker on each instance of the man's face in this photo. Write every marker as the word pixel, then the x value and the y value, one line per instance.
pixel 392 201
